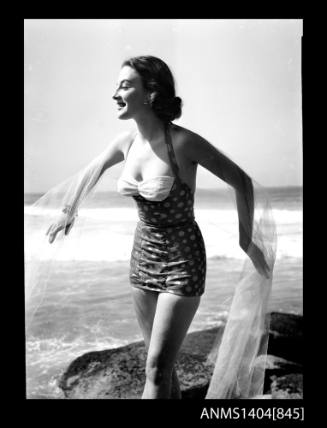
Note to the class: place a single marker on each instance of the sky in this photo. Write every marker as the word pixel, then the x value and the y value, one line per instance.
pixel 240 82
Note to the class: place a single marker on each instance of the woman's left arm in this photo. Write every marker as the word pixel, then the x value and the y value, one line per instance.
pixel 201 151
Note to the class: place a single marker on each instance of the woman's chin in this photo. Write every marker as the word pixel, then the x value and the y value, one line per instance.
pixel 122 115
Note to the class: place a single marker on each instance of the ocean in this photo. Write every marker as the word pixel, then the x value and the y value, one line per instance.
pixel 88 305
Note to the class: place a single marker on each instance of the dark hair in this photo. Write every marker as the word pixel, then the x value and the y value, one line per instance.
pixel 158 79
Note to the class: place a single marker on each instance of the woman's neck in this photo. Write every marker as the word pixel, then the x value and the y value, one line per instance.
pixel 150 128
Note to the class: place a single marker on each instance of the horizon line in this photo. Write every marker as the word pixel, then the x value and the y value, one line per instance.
pixel 197 188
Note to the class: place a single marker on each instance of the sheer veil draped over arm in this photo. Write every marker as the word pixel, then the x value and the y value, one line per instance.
pixel 239 357
pixel 39 253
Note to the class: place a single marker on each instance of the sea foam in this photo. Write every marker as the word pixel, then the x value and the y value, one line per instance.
pixel 109 232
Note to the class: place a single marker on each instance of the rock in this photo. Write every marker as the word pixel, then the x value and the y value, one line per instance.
pixel 286 336
pixel 285 354
pixel 120 372
pixel 113 373
pixel 277 367
pixel 289 386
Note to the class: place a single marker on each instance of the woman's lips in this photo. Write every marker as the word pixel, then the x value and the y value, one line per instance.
pixel 121 105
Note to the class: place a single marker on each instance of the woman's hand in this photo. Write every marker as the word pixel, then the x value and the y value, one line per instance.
pixel 64 222
pixel 258 259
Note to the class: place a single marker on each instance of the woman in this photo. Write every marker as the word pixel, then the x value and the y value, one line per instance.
pixel 168 261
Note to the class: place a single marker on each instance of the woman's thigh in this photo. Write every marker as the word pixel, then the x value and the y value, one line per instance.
pixel 172 319
pixel 145 303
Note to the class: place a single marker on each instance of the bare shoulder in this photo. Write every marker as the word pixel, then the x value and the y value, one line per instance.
pixel 198 150
pixel 117 148
pixel 124 140
pixel 191 144
pixel 119 145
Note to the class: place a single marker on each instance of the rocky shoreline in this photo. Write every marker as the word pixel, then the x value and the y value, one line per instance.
pixel 119 373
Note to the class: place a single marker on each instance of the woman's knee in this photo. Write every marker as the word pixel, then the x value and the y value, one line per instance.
pixel 158 369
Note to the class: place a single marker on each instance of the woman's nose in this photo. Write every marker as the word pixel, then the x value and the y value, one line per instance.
pixel 115 96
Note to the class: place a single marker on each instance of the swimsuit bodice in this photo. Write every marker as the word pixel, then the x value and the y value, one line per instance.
pixel 162 201
pixel 153 189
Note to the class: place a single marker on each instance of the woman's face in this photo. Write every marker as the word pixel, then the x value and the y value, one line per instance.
pixel 130 94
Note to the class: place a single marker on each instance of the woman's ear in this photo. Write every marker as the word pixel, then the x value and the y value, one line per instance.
pixel 152 97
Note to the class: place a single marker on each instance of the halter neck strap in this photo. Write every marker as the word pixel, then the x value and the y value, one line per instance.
pixel 171 153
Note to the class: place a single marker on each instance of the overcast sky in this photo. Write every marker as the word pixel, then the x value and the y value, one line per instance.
pixel 240 82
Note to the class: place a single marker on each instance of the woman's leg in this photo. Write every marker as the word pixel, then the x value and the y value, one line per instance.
pixel 172 319
pixel 145 303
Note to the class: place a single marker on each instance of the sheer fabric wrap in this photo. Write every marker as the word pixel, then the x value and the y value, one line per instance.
pixel 239 354
pixel 39 253
pixel 239 357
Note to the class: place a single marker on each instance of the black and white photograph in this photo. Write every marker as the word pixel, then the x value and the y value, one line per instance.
pixel 163 204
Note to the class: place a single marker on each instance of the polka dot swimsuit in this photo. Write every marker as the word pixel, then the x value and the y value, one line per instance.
pixel 168 253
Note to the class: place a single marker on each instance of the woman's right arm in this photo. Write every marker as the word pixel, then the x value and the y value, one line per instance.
pixel 86 180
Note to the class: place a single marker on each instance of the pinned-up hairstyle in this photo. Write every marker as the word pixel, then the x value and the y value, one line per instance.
pixel 159 81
